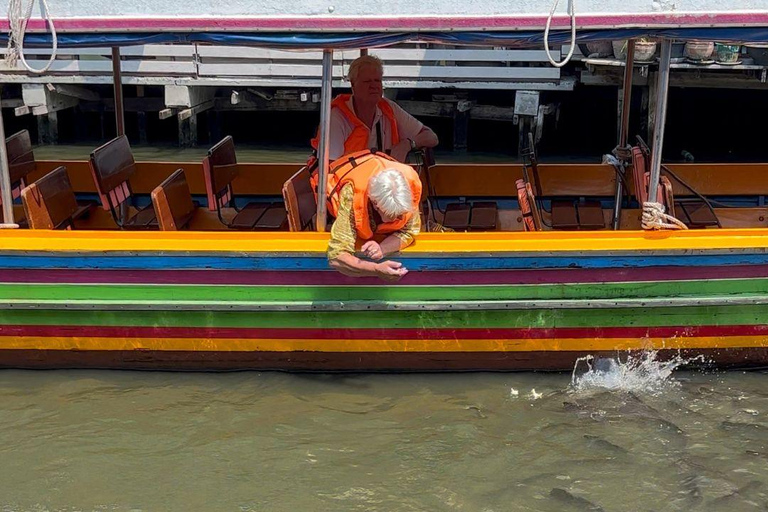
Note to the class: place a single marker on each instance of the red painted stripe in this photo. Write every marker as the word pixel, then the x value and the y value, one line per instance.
pixel 393 23
pixel 383 334
pixel 329 278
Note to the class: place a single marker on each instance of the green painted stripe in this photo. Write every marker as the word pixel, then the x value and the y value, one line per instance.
pixel 655 317
pixel 208 293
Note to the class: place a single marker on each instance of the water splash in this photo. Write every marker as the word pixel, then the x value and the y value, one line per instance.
pixel 642 373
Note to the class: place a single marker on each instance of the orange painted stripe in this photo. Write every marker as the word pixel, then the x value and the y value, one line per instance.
pixel 373 345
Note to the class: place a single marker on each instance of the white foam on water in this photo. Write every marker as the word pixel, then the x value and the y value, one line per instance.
pixel 642 373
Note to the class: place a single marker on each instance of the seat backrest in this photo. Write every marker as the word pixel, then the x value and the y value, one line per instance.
pixel 219 171
pixel 666 195
pixel 639 170
pixel 173 202
pixel 300 201
pixel 112 166
pixel 528 208
pixel 21 160
pixel 50 201
pixel 641 176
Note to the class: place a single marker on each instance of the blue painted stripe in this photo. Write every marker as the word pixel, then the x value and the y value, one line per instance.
pixel 413 263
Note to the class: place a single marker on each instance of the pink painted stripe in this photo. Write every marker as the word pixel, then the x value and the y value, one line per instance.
pixel 382 334
pixel 393 23
pixel 428 278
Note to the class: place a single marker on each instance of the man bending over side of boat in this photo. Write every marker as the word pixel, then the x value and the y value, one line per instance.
pixel 376 200
pixel 367 120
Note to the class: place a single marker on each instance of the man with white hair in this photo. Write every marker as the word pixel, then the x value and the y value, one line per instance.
pixel 375 200
pixel 367 120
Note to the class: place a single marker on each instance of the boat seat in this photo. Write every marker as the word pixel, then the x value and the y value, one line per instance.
pixel 641 176
pixel 112 165
pixel 50 202
pixel 695 213
pixel 173 203
pixel 477 216
pixel 528 208
pixel 300 201
pixel 570 214
pixel 220 170
pixel 457 216
pixel 21 162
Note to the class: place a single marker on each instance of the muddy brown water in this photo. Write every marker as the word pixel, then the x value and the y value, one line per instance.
pixel 146 441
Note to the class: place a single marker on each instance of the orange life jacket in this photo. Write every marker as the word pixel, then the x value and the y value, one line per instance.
pixel 358 139
pixel 357 168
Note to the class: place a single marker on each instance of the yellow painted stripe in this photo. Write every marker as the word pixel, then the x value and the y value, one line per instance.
pixel 227 242
pixel 365 345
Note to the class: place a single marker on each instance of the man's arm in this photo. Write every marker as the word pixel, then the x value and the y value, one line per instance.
pixel 426 138
pixel 341 246
pixel 350 265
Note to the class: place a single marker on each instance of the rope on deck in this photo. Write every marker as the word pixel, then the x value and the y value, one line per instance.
pixel 654 218
pixel 18 17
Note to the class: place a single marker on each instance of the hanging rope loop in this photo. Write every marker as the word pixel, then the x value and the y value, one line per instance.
pixel 572 14
pixel 18 18
pixel 654 218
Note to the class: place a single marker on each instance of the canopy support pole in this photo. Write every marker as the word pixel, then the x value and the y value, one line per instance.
pixel 626 101
pixel 325 136
pixel 117 80
pixel 627 94
pixel 5 178
pixel 661 116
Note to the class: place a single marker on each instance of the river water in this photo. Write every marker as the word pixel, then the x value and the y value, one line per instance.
pixel 626 437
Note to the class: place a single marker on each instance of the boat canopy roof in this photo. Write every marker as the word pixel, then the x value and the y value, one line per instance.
pixel 350 24
pixel 348 40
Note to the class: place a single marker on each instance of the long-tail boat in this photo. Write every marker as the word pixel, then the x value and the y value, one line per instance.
pixel 563 273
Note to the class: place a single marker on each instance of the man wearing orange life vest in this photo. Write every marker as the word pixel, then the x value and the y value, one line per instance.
pixel 372 196
pixel 365 119
pixel 378 198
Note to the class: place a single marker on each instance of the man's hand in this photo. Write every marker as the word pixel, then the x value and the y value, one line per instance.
pixel 372 250
pixel 391 270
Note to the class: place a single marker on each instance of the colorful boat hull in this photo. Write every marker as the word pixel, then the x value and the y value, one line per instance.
pixel 490 301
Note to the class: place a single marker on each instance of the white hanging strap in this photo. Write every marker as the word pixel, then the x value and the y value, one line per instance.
pixel 654 218
pixel 572 14
pixel 18 18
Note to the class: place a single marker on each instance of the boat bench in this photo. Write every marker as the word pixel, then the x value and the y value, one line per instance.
pixel 300 201
pixel 50 202
pixel 21 162
pixel 173 203
pixel 112 166
pixel 220 170
pixel 694 213
pixel 476 216
pixel 573 214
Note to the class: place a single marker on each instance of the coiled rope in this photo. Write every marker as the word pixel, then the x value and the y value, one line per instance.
pixel 655 218
pixel 572 14
pixel 18 17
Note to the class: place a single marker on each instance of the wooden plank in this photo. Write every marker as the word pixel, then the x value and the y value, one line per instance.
pixel 74 91
pixel 105 66
pixel 447 73
pixel 264 70
pixel 12 102
pixel 461 55
pixel 165 113
pixel 150 50
pixel 386 54
pixel 236 52
pixel 193 111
